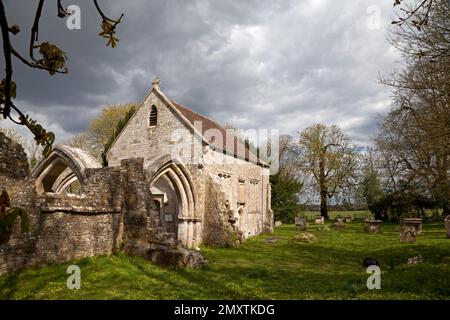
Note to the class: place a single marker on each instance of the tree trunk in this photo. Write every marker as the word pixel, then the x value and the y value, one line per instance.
pixel 323 191
pixel 323 204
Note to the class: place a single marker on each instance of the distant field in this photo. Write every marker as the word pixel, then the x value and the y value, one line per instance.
pixel 334 214
pixel 354 214
pixel 265 267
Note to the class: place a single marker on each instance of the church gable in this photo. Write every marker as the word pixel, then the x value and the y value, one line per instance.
pixel 150 133
pixel 161 123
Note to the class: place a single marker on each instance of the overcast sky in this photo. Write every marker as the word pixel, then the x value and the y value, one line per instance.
pixel 255 64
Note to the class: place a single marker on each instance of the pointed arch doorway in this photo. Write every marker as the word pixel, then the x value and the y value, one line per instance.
pixel 171 188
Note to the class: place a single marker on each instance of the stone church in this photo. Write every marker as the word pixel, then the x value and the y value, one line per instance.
pixel 175 180
pixel 198 172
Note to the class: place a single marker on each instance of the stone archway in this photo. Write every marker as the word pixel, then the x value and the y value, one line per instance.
pixel 62 169
pixel 172 183
pixel 167 196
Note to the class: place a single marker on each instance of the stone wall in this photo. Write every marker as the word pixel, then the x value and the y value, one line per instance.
pixel 63 227
pixel 67 227
pixel 13 160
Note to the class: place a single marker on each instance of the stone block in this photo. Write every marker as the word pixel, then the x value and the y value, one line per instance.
pixel 319 220
pixel 413 222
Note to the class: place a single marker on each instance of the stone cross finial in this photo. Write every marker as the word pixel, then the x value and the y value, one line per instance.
pixel 156 82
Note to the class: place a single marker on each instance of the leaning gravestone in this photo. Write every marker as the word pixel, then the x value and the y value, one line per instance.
pixel 407 234
pixel 372 226
pixel 447 226
pixel 300 223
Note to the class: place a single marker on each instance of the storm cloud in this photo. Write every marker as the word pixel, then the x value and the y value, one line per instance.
pixel 254 64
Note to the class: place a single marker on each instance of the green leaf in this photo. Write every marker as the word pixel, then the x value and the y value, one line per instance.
pixel 52 57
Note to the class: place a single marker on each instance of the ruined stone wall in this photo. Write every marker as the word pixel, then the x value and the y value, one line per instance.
pixel 255 215
pixel 219 227
pixel 62 227
pixel 66 227
pixel 13 160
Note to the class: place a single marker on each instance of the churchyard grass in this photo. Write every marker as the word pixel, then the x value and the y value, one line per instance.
pixel 329 268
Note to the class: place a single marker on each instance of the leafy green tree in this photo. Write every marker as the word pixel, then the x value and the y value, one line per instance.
pixel 285 197
pixel 103 128
pixel 329 156
pixel 375 197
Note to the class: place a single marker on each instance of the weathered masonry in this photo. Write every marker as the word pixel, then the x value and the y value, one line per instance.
pixel 206 184
pixel 155 198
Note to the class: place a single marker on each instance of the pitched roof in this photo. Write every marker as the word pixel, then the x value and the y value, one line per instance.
pixel 234 147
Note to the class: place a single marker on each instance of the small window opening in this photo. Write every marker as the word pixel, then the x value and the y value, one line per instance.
pixel 153 119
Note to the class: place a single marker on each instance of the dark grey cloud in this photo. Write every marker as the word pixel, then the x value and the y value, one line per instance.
pixel 255 64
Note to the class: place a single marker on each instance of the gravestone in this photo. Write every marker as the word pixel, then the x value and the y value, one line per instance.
pixel 348 219
pixel 372 226
pixel 320 220
pixel 300 223
pixel 447 226
pixel 278 224
pixel 413 222
pixel 408 234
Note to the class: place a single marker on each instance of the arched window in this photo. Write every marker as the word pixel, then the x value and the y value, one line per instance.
pixel 153 119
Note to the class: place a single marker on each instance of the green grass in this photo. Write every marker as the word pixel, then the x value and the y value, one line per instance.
pixel 329 268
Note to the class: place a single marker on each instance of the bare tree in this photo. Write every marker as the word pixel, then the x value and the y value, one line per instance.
pixel 415 136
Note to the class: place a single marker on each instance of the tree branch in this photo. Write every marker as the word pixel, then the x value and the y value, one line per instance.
pixel 104 17
pixel 35 30
pixel 8 62
pixel 36 65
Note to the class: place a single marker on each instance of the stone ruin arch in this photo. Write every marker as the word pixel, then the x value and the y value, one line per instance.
pixel 171 185
pixel 63 167
pixel 179 178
